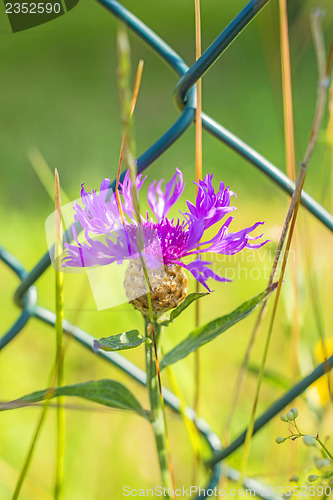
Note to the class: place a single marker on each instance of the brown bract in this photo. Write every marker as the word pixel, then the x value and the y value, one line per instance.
pixel 168 287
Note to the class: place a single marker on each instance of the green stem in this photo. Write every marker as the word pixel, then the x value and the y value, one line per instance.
pixel 60 450
pixel 157 410
pixel 59 473
pixel 296 426
pixel 28 458
pixel 329 454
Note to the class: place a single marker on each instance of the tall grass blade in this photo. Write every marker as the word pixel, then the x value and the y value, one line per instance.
pixel 44 173
pixel 59 310
pixel 294 205
pixel 291 170
pixel 198 176
pixel 287 91
pixel 28 458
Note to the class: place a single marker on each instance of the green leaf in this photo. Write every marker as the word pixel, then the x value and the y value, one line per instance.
pixel 126 340
pixel 184 305
pixel 105 392
pixel 208 332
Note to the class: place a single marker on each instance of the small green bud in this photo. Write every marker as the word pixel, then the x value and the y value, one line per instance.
pixel 312 477
pixel 283 417
pixel 279 439
pixel 290 416
pixel 295 411
pixel 309 440
pixel 322 463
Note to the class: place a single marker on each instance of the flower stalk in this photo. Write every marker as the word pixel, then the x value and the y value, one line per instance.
pixel 158 417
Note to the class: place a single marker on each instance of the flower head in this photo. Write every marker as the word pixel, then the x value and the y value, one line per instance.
pixel 170 240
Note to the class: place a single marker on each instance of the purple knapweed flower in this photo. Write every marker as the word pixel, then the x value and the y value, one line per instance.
pixel 172 239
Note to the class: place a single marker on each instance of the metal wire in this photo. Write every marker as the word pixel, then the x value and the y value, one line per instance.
pixel 185 98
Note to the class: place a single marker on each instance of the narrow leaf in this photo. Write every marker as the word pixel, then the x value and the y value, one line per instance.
pixel 126 340
pixel 105 392
pixel 208 332
pixel 271 377
pixel 192 297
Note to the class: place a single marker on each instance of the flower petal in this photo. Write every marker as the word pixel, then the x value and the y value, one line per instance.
pixel 161 203
pixel 210 206
pixel 201 272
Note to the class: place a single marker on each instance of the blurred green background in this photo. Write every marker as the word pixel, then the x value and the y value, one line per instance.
pixel 59 94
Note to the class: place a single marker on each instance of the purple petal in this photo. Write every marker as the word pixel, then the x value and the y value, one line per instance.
pixel 161 203
pixel 201 272
pixel 173 191
pixel 210 206
pixel 231 243
pixel 156 200
pixel 195 232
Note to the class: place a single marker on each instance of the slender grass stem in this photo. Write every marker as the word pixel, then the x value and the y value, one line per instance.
pixel 28 458
pixel 157 407
pixel 39 426
pixel 198 176
pixel 44 173
pixel 328 453
pixel 266 348
pixel 123 142
pixel 323 85
pixel 315 301
pixel 198 121
pixel 57 376
pixel 287 91
pixel 323 70
pixel 294 205
pixel 189 424
pixel 59 301
pixel 291 170
pixel 296 427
